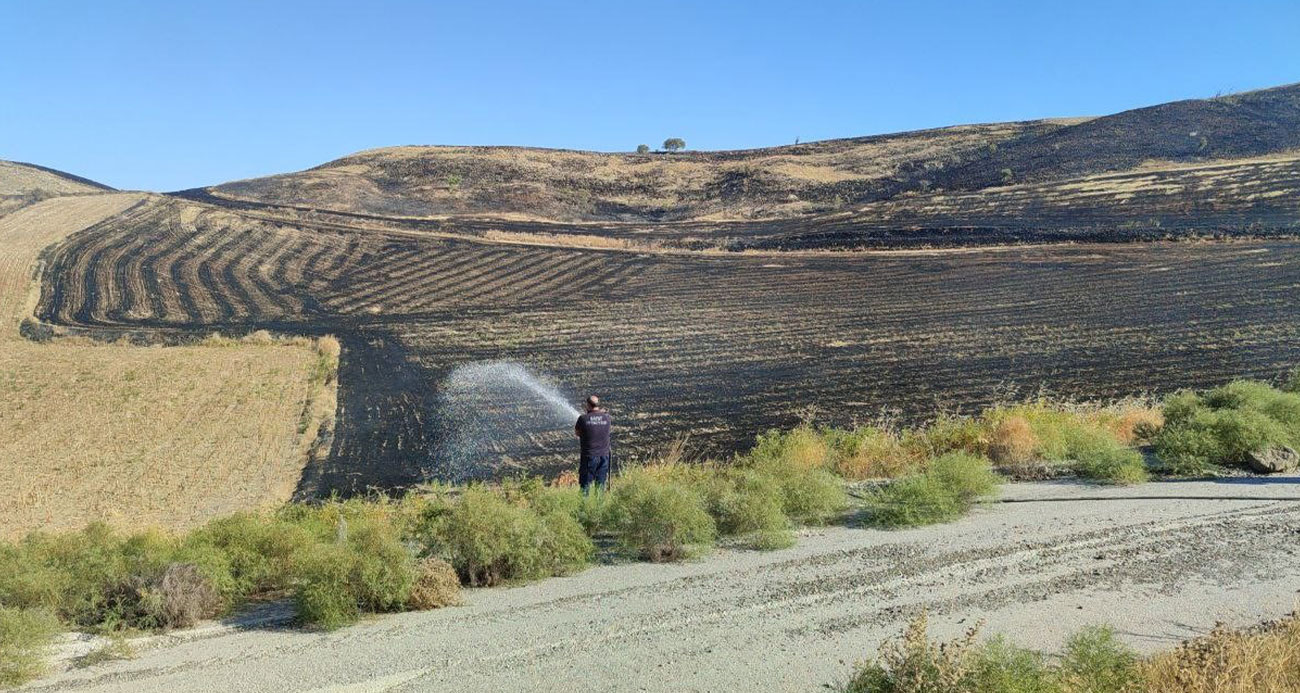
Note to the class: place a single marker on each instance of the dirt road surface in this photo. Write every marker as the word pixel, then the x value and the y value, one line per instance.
pixel 1160 562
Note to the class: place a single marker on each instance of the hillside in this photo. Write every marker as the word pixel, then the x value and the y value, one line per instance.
pixel 132 435
pixel 608 273
pixel 23 184
pixel 1222 166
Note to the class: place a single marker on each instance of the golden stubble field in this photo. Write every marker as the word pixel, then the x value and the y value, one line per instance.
pixel 139 436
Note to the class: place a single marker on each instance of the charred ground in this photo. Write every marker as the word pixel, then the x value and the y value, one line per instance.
pixel 610 272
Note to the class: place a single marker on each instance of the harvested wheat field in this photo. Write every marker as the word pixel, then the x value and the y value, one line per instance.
pixel 139 436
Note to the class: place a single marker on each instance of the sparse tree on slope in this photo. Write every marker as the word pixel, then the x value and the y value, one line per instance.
pixel 672 144
pixel 643 149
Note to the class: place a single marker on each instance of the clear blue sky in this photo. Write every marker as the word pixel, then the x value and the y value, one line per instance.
pixel 169 95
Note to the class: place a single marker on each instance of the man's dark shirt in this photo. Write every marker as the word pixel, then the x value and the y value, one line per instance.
pixel 593 431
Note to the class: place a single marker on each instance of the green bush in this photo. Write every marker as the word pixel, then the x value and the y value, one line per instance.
pixel 93 579
pixel 810 495
pixel 744 502
pixel 912 502
pixel 968 476
pixel 1096 454
pixel 944 492
pixel 25 634
pixel 1224 425
pixel 1001 667
pixel 658 519
pixel 324 596
pixel 365 569
pixel 248 553
pixel 490 540
pixel 1095 662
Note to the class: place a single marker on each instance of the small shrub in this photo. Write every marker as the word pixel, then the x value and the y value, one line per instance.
pixel 914 501
pixel 869 452
pixel 25 635
pixel 1240 432
pixel 1094 661
pixel 659 520
pixel 945 491
pixel 952 434
pixel 1188 450
pixel 1224 425
pixel 969 477
pixel 803 447
pixel 808 495
pixel 915 664
pixel 248 553
pixel 745 502
pixel 179 597
pixel 1012 442
pixel 382 570
pixel 324 597
pixel 259 338
pixel 436 585
pixel 1001 667
pixel 1231 661
pixel 490 540
pixel 1095 454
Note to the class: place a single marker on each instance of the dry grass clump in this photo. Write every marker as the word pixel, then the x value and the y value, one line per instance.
pixel 1137 424
pixel 1264 659
pixel 436 585
pixel 1093 661
pixel 1012 442
pixel 1261 660
pixel 802 447
pixel 871 452
pixel 179 597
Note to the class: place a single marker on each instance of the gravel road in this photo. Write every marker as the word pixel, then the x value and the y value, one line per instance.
pixel 1160 562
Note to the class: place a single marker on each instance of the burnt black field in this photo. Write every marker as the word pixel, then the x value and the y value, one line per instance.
pixel 717 346
pixel 720 294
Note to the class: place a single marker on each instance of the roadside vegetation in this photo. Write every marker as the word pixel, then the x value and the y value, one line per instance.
pixel 1262 659
pixel 1242 424
pixel 339 560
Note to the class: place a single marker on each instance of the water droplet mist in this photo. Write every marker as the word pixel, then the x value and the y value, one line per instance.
pixel 489 411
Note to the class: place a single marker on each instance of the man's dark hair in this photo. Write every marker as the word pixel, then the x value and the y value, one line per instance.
pixel 593 401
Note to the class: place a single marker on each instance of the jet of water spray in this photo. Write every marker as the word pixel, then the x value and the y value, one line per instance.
pixel 489 411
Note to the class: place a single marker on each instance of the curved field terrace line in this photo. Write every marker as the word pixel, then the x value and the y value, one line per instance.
pixel 720 346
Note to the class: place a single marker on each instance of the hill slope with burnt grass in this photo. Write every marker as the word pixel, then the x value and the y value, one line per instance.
pixel 603 271
pixel 1222 166
pixel 24 184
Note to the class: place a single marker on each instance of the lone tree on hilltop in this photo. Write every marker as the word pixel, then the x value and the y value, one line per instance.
pixel 643 149
pixel 672 144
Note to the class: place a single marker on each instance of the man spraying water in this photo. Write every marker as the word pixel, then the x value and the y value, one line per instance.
pixel 592 430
